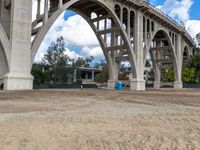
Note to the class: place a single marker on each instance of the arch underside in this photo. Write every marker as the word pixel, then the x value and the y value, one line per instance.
pixel 112 37
pixel 162 52
pixel 185 54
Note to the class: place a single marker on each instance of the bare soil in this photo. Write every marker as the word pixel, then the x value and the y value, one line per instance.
pixel 95 119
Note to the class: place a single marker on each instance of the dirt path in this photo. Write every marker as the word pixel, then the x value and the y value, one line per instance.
pixel 100 120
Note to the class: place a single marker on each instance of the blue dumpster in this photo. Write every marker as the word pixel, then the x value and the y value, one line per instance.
pixel 119 86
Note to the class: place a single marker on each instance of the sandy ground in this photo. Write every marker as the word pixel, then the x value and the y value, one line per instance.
pixel 92 119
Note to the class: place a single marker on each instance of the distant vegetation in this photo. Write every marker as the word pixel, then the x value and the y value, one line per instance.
pixel 57 67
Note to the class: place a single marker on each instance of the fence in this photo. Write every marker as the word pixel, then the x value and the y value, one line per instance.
pixel 63 86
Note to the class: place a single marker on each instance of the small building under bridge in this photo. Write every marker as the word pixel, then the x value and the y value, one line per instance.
pixel 86 75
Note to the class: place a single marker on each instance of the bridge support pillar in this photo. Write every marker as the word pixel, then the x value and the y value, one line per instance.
pixel 178 85
pixel 156 84
pixel 111 84
pixel 19 77
pixel 113 74
pixel 14 81
pixel 137 85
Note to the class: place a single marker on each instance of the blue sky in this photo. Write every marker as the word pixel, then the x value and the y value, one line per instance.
pixel 81 41
pixel 194 10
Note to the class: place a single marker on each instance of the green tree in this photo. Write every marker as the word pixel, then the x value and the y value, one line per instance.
pixel 55 54
pixel 83 62
pixel 104 75
pixel 123 75
pixel 58 60
pixel 39 76
pixel 194 62
pixel 188 75
pixel 169 74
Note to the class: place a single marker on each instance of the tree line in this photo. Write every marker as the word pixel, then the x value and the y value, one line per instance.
pixel 59 68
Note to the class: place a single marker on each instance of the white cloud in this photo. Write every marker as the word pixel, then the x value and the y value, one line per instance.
pixel 76 33
pixel 180 10
pixel 72 54
pixel 95 52
pixel 193 27
pixel 39 56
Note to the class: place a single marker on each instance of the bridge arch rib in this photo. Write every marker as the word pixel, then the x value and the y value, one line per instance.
pixel 163 55
pixel 111 51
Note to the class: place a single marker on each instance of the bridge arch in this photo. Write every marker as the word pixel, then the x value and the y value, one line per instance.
pixel 185 54
pixel 113 16
pixel 160 41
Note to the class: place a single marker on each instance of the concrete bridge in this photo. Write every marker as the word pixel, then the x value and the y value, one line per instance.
pixel 125 29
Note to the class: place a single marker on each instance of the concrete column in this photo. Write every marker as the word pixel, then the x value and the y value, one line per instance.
pixel 46 11
pixel 178 71
pixel 138 82
pixel 129 22
pixel 146 41
pixel 157 75
pixel 121 14
pixel 60 3
pixel 156 70
pixel 93 75
pixel 86 76
pixel 38 8
pixel 105 35
pixel 113 78
pixel 19 77
pixel 74 78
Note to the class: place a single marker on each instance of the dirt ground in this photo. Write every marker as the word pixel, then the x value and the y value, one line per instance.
pixel 95 119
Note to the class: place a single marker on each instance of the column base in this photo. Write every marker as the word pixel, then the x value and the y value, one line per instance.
pixel 178 85
pixel 156 84
pixel 18 82
pixel 111 84
pixel 137 85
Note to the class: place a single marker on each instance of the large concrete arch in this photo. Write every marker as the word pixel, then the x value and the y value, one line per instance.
pixel 127 44
pixel 40 36
pixel 185 54
pixel 102 44
pixel 166 35
pixel 175 60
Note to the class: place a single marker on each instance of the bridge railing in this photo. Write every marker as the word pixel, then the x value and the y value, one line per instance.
pixel 180 26
pixel 163 13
